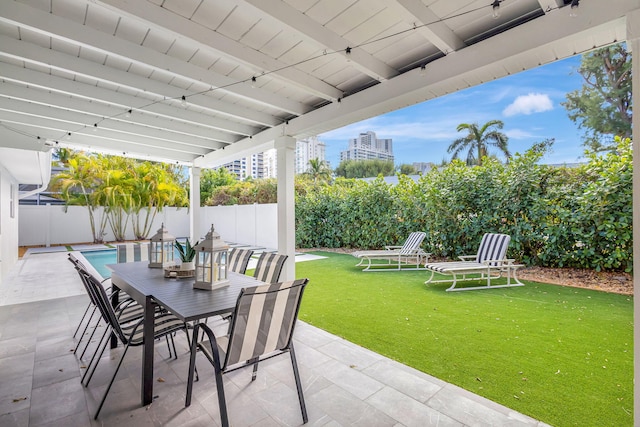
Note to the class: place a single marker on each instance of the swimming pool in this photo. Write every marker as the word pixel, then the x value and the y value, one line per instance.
pixel 98 259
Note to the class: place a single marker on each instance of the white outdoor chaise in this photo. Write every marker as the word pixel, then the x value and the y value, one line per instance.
pixel 409 256
pixel 490 263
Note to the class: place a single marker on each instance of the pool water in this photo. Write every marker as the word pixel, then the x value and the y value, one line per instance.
pixel 98 259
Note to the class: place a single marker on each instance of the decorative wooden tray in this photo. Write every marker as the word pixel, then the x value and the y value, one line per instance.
pixel 177 273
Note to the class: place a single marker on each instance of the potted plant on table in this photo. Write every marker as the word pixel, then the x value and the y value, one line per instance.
pixel 187 253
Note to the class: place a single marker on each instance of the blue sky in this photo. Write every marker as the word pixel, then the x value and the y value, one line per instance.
pixel 528 103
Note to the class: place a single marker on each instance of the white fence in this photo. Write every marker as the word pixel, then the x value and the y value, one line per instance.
pixel 56 225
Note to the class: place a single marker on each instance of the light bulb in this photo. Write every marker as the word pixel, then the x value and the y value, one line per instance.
pixel 184 101
pixel 496 9
pixel 574 8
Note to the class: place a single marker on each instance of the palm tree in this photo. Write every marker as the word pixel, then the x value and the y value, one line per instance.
pixel 115 193
pixel 78 185
pixel 318 170
pixel 478 141
pixel 156 186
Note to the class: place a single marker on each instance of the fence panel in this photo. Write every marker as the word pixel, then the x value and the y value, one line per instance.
pixel 53 225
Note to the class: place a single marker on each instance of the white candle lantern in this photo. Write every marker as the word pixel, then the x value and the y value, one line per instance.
pixel 211 262
pixel 161 253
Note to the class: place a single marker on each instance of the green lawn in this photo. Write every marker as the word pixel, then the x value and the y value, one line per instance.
pixel 561 355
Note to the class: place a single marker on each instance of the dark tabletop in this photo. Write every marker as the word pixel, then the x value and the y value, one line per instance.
pixel 178 295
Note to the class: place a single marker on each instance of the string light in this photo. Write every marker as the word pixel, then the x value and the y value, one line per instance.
pixel 495 9
pixel 574 8
pixel 347 51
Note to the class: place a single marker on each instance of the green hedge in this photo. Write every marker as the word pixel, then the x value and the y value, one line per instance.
pixel 556 216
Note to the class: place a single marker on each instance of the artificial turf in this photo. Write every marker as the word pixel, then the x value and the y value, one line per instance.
pixel 559 354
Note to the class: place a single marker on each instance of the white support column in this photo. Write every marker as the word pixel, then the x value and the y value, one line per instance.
pixel 194 204
pixel 286 147
pixel 633 44
pixel 47 237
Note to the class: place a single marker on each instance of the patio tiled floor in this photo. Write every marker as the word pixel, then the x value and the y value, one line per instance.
pixel 345 385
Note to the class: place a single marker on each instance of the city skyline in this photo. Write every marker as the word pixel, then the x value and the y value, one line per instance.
pixel 529 104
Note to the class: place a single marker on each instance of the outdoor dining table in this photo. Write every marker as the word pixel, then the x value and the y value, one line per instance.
pixel 149 287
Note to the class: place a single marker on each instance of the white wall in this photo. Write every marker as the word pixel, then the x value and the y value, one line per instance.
pixel 8 224
pixel 54 225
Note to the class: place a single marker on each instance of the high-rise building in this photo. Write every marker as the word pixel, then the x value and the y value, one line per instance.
pixel 247 167
pixel 269 160
pixel 264 165
pixel 367 146
pixel 306 150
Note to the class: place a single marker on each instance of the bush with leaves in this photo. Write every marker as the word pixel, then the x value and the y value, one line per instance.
pixel 556 216
pixel 592 227
pixel 244 193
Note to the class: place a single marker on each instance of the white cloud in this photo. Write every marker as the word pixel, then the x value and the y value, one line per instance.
pixel 518 134
pixel 529 104
pixel 399 129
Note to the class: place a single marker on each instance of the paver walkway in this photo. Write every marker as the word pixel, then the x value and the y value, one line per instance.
pixel 344 384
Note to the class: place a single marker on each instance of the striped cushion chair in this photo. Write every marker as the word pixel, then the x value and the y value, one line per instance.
pixel 269 267
pixel 262 327
pixel 490 262
pixel 132 252
pixel 239 259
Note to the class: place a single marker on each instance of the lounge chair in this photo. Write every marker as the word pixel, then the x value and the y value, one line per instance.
pixel 409 256
pixel 489 263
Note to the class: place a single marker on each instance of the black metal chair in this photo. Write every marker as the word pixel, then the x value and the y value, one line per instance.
pixel 129 333
pixel 91 309
pixel 261 327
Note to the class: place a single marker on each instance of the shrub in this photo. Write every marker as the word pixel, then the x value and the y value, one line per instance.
pixel 556 216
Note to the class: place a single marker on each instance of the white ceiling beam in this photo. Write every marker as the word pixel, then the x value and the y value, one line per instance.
pixel 81 35
pixel 410 88
pixel 63 123
pixel 75 118
pixel 319 34
pixel 99 111
pixel 212 126
pixel 244 148
pixel 12 139
pixel 436 31
pixel 25 51
pixel 550 5
pixel 212 41
pixel 88 140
